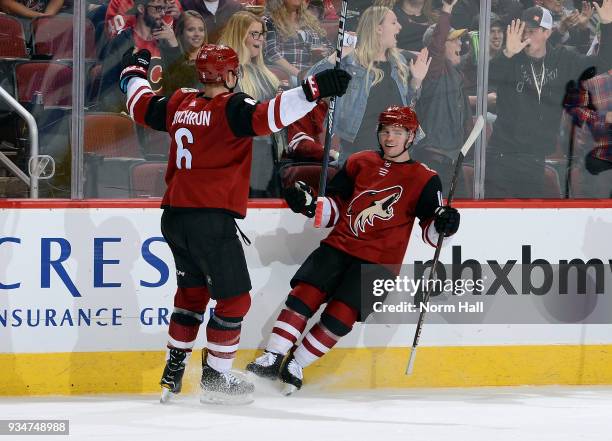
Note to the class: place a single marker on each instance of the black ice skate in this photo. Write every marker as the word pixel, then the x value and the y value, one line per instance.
pixel 267 365
pixel 172 377
pixel 224 387
pixel 291 374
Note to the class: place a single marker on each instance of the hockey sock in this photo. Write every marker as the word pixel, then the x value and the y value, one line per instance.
pixel 336 321
pixel 223 331
pixel 187 316
pixel 301 303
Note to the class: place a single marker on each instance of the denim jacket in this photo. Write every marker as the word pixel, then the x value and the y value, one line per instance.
pixel 350 108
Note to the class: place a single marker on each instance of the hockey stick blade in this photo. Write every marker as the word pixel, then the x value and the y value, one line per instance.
pixel 469 142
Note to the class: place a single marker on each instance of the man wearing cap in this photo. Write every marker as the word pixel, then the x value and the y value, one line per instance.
pixel 443 107
pixel 531 77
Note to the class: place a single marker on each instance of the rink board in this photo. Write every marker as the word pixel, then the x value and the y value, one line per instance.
pixel 85 292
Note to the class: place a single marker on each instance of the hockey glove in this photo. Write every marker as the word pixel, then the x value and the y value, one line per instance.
pixel 133 65
pixel 301 199
pixel 330 82
pixel 446 220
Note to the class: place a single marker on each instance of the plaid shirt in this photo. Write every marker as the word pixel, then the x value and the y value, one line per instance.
pixel 295 49
pixel 590 105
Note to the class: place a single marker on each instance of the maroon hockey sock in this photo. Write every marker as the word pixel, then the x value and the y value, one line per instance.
pixel 315 345
pixel 187 316
pixel 336 321
pixel 287 329
pixel 223 331
pixel 303 301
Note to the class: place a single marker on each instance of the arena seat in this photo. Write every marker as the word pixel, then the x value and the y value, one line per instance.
pixel 468 182
pixel 53 37
pixel 147 179
pixel 12 39
pixel 53 80
pixel 93 84
pixel 155 144
pixel 309 172
pixel 111 150
pixel 551 182
pixel 111 135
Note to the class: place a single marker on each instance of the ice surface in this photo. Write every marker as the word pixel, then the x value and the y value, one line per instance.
pixel 478 414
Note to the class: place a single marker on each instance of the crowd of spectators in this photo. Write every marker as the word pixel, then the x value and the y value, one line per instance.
pixel 549 107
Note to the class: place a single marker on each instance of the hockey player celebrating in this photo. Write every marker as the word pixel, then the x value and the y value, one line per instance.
pixel 208 185
pixel 372 203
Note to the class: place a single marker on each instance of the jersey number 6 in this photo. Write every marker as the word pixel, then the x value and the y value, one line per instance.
pixel 182 152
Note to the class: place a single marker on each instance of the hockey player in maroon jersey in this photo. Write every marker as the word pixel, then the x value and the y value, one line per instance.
pixel 208 185
pixel 372 204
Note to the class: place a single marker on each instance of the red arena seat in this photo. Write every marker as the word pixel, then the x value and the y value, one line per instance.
pixel 53 37
pixel 12 40
pixel 147 180
pixel 53 80
pixel 309 173
pixel 111 135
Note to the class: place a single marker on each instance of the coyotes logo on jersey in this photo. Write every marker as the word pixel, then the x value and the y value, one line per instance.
pixel 372 204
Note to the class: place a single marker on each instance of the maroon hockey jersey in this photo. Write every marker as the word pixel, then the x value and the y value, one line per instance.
pixel 373 204
pixel 209 163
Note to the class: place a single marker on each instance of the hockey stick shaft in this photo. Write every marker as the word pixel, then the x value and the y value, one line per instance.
pixel 458 166
pixel 570 157
pixel 330 121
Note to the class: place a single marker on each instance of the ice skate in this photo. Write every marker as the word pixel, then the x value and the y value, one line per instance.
pixel 172 378
pixel 291 374
pixel 224 387
pixel 267 365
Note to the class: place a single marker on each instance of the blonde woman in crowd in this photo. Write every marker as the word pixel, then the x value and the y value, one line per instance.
pixel 178 60
pixel 293 32
pixel 381 77
pixel 246 34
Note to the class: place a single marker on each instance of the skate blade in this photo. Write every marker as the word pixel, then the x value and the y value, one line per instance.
pixel 219 398
pixel 288 389
pixel 166 395
pixel 250 376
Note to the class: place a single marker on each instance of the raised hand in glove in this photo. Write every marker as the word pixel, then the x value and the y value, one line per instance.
pixel 330 82
pixel 133 65
pixel 301 199
pixel 446 220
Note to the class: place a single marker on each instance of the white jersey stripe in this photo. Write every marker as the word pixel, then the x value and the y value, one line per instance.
pixel 271 123
pixel 135 99
pixel 136 88
pixel 430 235
pixel 294 106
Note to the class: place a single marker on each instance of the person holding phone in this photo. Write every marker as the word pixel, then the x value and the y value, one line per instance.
pixel 149 32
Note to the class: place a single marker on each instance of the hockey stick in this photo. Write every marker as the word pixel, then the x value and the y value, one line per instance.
pixel 462 154
pixel 330 121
